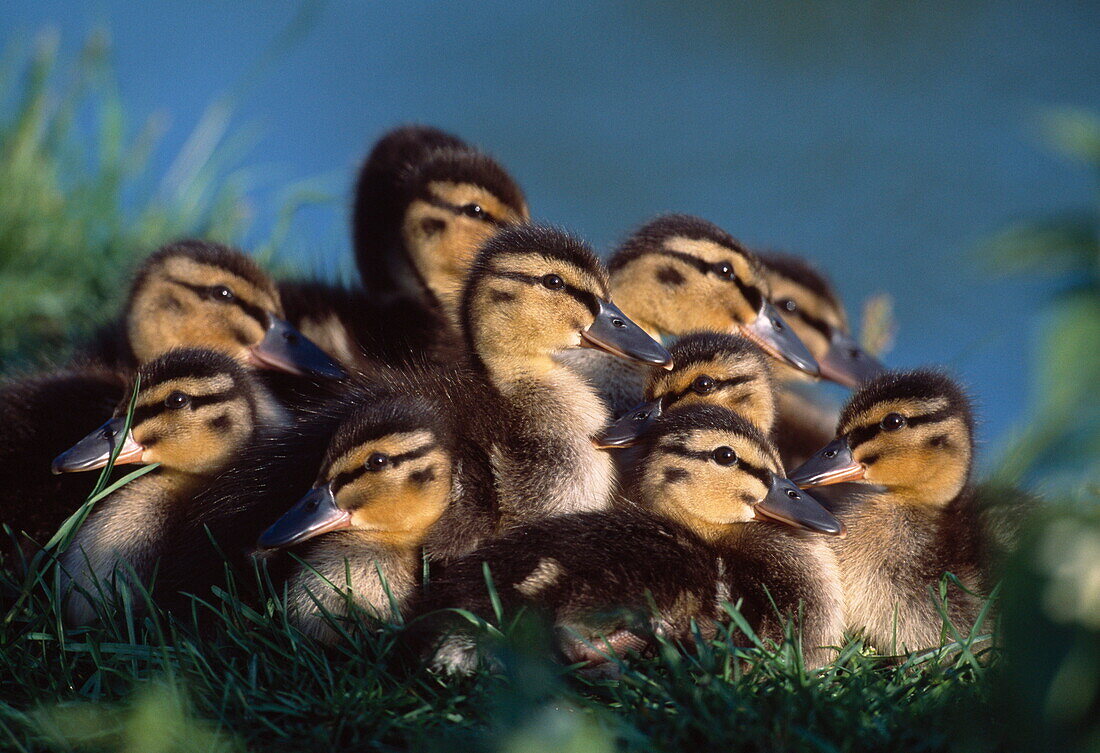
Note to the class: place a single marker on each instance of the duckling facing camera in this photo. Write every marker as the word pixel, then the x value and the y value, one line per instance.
pixel 712 520
pixel 901 462
pixel 195 411
pixel 358 534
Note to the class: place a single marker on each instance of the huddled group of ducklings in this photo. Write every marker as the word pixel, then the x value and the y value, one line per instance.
pixel 493 400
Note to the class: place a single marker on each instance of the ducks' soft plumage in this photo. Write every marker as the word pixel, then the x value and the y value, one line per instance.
pixel 902 460
pixel 693 538
pixel 187 294
pixel 425 202
pixel 679 274
pixel 195 411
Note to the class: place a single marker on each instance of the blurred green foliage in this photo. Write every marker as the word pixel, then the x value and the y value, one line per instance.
pixel 79 204
pixel 1061 442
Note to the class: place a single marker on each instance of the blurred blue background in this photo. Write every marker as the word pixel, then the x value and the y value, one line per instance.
pixel 883 140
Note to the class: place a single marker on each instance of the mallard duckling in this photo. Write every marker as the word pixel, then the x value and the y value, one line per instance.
pixel 815 312
pixel 534 293
pixel 187 294
pixel 680 274
pixel 195 411
pixel 710 368
pixel 385 483
pixel 714 521
pixel 195 294
pixel 424 204
pixel 903 452
pixel 813 309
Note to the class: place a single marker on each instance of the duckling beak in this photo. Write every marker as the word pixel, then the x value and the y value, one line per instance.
pixel 786 503
pixel 312 515
pixel 615 333
pixel 847 363
pixel 94 451
pixel 627 430
pixel 776 337
pixel 286 349
pixel 832 464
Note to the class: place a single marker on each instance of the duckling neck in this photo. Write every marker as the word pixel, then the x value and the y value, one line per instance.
pixel 548 464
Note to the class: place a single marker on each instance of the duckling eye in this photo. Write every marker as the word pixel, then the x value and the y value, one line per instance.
pixel 788 305
pixel 377 461
pixel 474 210
pixel 552 282
pixel 222 293
pixel 724 455
pixel 177 400
pixel 724 270
pixel 892 422
pixel 702 384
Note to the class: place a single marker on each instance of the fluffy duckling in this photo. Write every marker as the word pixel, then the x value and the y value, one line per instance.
pixel 715 521
pixel 534 293
pixel 187 294
pixel 195 294
pixel 903 454
pixel 680 274
pixel 424 203
pixel 814 310
pixel 385 483
pixel 195 411
pixel 708 368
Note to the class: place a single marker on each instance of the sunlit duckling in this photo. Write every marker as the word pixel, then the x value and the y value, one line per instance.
pixel 534 293
pixel 386 481
pixel 903 454
pixel 187 294
pixel 195 411
pixel 708 368
pixel 813 309
pixel 195 294
pixel 714 521
pixel 424 204
pixel 680 274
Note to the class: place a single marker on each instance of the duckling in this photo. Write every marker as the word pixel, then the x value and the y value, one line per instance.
pixel 712 520
pixel 902 458
pixel 187 294
pixel 385 483
pixel 195 411
pixel 679 274
pixel 532 294
pixel 708 367
pixel 813 309
pixel 424 203
pixel 195 294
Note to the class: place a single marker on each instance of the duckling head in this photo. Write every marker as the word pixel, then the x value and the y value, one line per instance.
pixel 710 368
pixel 425 202
pixel 710 468
pixel 812 308
pixel 909 433
pixel 195 410
pixel 387 472
pixel 679 273
pixel 199 294
pixel 535 291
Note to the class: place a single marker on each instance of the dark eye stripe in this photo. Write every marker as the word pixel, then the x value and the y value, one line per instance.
pixel 863 434
pixel 763 475
pixel 751 293
pixel 343 479
pixel 812 321
pixel 143 413
pixel 719 385
pixel 585 298
pixel 435 201
pixel 250 309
